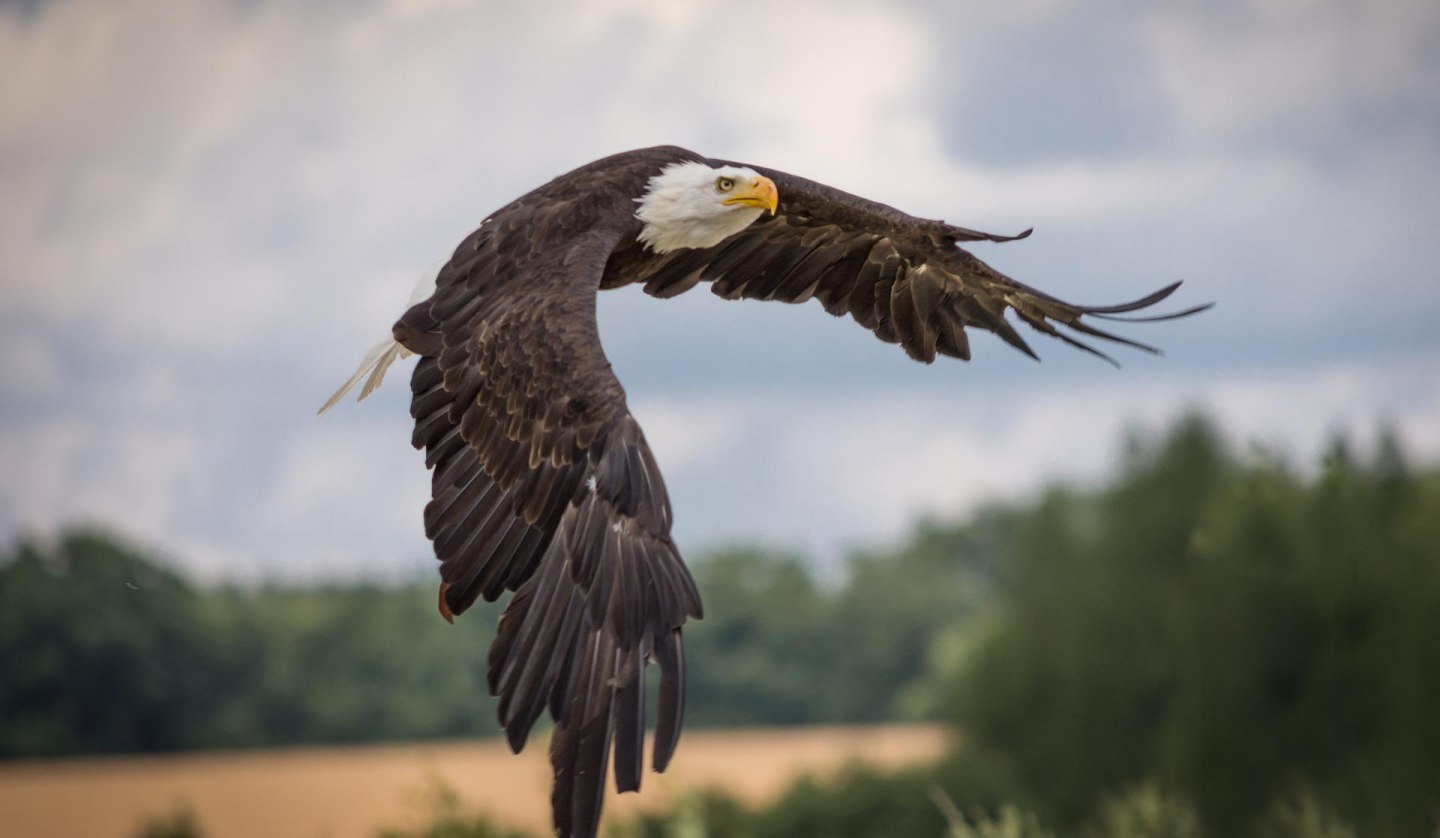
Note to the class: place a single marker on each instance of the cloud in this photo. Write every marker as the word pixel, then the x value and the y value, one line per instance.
pixel 345 503
pixel 828 472
pixel 1327 76
pixel 211 210
pixel 132 480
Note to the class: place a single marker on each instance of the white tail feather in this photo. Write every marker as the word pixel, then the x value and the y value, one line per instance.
pixel 375 363
pixel 382 354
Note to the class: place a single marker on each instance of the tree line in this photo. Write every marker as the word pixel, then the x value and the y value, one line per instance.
pixel 105 649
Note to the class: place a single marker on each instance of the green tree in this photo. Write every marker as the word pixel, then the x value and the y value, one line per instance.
pixel 1227 629
pixel 102 651
pixel 778 647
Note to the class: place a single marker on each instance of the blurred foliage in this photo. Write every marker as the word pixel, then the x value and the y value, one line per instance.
pixel 182 822
pixel 865 802
pixel 102 650
pixel 1212 643
pixel 1146 812
pixel 861 802
pixel 779 647
pixel 444 815
pixel 1228 628
pixel 703 813
pixel 1304 816
pixel 1009 823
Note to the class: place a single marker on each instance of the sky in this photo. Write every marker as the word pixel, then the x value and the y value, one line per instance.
pixel 211 209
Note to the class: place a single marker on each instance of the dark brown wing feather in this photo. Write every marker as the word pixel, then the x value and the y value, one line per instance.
pixel 543 484
pixel 902 277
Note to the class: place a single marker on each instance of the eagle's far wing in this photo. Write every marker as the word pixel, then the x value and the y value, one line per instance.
pixel 543 484
pixel 900 276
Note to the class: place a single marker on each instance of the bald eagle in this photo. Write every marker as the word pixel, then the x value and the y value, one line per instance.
pixel 542 482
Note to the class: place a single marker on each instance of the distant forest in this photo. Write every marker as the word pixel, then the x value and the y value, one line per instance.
pixel 1219 625
pixel 105 650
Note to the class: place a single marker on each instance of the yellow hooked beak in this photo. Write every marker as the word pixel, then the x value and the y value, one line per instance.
pixel 760 192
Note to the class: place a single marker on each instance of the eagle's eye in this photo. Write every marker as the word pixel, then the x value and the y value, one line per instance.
pixel 724 184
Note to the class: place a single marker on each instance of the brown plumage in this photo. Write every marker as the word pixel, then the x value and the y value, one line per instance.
pixel 543 483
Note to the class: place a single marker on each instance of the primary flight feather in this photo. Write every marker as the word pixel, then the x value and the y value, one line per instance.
pixel 542 482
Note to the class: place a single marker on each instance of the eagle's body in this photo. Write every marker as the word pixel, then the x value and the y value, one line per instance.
pixel 543 483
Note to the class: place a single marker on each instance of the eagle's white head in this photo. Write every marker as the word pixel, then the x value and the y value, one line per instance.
pixel 697 205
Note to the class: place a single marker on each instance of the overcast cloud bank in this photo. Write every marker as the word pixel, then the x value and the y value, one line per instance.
pixel 212 209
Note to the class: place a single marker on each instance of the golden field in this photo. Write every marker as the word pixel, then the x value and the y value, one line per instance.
pixel 356 790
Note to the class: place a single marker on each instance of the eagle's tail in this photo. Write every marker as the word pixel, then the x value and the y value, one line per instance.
pixel 375 363
pixel 382 354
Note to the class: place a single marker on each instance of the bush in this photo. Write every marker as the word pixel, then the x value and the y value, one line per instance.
pixel 1146 812
pixel 444 815
pixel 180 823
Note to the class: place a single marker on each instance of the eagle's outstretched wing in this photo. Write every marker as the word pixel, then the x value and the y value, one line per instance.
pixel 902 277
pixel 543 484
